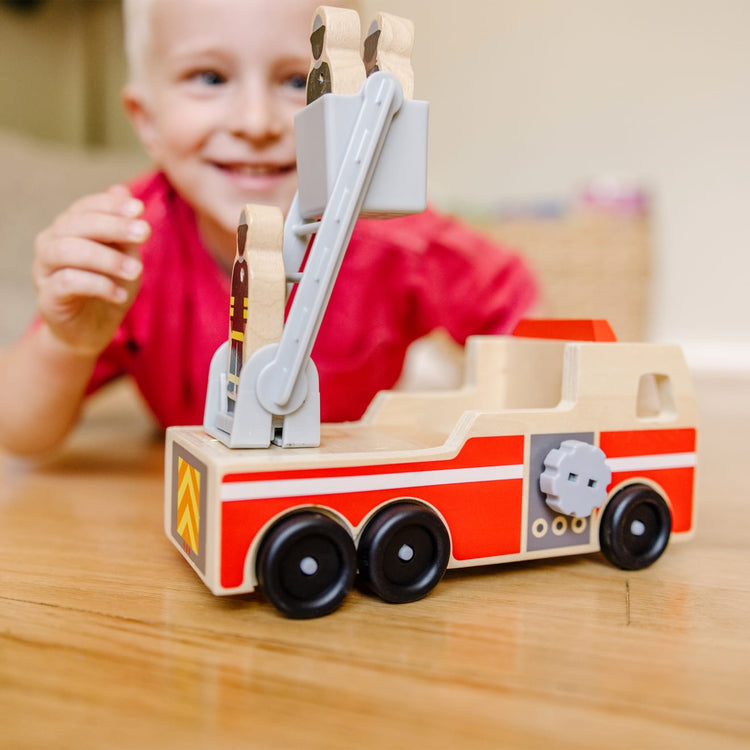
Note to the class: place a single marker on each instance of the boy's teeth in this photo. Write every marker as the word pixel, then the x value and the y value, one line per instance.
pixel 254 171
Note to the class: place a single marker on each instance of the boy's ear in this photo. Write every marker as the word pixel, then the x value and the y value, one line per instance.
pixel 140 116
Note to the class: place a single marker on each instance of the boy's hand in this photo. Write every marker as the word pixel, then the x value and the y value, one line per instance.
pixel 87 270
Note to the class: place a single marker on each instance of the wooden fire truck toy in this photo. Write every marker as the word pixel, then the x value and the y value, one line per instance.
pixel 560 441
pixel 551 447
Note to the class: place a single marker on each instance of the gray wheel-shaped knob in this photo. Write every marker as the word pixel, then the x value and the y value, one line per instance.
pixel 575 478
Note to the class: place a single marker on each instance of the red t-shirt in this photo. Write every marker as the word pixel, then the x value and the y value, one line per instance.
pixel 400 279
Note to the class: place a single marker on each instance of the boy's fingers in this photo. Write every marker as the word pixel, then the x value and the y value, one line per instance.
pixel 116 200
pixel 101 227
pixel 68 284
pixel 86 255
pixel 118 190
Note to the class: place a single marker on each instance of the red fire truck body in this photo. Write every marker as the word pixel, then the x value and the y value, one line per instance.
pixel 461 477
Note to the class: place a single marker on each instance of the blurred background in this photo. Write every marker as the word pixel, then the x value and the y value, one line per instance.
pixel 606 140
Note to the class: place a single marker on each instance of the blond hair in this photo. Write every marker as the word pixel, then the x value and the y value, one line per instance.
pixel 136 16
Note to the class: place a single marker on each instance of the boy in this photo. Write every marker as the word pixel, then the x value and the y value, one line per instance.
pixel 136 280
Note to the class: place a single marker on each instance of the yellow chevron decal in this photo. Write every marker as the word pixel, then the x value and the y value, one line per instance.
pixel 188 503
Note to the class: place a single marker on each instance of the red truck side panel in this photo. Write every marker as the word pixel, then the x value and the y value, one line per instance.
pixel 666 457
pixel 479 493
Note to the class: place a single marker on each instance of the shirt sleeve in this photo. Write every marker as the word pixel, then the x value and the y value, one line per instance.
pixel 108 366
pixel 463 282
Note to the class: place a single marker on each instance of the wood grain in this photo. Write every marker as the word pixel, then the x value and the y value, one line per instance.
pixel 107 638
pixel 388 46
pixel 336 65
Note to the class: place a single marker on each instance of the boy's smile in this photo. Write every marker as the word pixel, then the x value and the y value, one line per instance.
pixel 258 177
pixel 216 111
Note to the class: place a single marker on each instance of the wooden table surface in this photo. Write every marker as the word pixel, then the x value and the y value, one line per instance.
pixel 108 639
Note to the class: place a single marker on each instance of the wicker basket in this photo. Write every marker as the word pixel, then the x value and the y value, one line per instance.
pixel 592 261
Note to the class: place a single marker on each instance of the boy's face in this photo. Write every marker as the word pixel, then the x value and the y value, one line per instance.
pixel 225 79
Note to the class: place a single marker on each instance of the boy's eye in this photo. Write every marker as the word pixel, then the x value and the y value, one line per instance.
pixel 208 77
pixel 296 81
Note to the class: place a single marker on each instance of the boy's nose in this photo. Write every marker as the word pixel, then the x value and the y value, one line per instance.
pixel 255 115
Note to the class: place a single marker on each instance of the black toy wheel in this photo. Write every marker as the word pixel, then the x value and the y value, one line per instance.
pixel 635 527
pixel 306 565
pixel 403 552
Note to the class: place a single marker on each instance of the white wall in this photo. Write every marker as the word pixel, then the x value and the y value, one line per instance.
pixel 532 98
